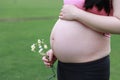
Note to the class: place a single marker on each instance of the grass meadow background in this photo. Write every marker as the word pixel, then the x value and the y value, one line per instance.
pixel 17 34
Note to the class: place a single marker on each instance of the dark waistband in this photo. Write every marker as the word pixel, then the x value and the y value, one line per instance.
pixel 99 61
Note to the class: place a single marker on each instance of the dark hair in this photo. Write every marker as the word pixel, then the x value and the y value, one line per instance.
pixel 100 4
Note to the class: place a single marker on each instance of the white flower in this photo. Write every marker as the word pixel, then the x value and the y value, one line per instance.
pixel 39 41
pixel 45 46
pixel 33 47
pixel 40 50
pixel 40 46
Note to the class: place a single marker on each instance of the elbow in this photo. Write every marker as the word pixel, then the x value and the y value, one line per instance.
pixel 116 26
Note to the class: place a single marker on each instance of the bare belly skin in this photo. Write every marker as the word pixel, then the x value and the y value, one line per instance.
pixel 72 41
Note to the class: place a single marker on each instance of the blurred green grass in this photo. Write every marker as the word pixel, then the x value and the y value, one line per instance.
pixel 29 8
pixel 17 62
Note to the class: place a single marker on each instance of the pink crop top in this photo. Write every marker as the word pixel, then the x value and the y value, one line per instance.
pixel 80 4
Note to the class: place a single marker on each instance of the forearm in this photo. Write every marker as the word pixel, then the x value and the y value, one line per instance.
pixel 99 23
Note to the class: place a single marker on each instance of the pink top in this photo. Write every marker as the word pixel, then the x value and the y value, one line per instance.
pixel 80 4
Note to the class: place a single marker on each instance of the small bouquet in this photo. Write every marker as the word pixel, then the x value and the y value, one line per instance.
pixel 42 47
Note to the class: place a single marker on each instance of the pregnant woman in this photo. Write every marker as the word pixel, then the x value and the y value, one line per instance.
pixel 80 39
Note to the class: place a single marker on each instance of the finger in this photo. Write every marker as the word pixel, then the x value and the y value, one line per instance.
pixel 44 59
pixel 61 17
pixel 47 64
pixel 50 54
pixel 60 14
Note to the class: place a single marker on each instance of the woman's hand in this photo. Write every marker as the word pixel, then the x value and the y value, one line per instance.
pixel 68 12
pixel 49 59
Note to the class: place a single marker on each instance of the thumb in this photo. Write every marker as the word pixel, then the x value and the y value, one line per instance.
pixel 50 55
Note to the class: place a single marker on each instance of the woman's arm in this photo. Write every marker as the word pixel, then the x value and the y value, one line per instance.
pixel 99 23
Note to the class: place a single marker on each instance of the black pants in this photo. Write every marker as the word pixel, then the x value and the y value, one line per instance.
pixel 95 70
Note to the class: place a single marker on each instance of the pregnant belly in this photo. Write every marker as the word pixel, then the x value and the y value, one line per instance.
pixel 74 42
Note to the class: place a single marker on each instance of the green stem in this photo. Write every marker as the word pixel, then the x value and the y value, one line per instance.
pixel 54 73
